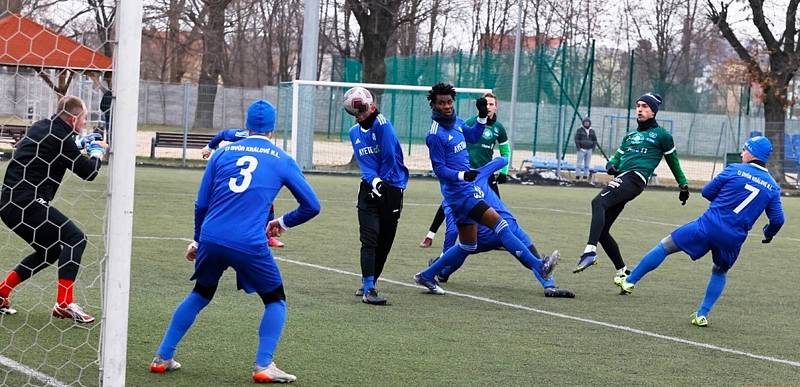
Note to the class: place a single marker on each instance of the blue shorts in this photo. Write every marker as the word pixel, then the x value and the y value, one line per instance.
pixel 694 240
pixel 254 273
pixel 461 206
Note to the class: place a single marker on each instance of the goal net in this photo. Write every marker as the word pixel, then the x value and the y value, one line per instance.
pixel 314 128
pixel 44 339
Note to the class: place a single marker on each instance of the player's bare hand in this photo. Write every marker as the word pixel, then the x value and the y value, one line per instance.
pixel 191 251
pixel 274 228
pixel 206 153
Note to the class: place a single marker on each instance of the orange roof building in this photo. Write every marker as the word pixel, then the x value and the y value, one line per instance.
pixel 25 43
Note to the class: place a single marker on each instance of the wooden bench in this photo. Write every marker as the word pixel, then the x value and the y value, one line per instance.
pixel 12 133
pixel 175 140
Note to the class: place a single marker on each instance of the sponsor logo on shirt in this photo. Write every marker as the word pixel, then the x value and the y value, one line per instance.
pixel 369 150
pixel 459 147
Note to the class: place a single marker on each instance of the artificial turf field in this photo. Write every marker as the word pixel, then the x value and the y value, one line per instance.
pixel 494 328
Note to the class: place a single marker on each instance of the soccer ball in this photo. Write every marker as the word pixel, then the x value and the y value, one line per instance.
pixel 357 100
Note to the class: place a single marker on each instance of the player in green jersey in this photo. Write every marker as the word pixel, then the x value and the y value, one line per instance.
pixel 632 165
pixel 480 154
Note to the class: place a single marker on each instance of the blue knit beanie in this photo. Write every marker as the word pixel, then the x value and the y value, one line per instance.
pixel 759 147
pixel 261 117
pixel 652 100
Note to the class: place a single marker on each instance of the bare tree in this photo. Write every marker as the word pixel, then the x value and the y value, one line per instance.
pixel 782 62
pixel 13 6
pixel 175 46
pixel 658 32
pixel 213 33
pixel 411 15
pixel 378 21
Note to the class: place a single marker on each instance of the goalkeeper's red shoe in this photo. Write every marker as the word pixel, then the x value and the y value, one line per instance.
pixel 274 242
pixel 271 374
pixel 5 306
pixel 160 365
pixel 73 312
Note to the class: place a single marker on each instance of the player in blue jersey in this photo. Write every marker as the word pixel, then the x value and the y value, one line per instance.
pixel 738 196
pixel 380 195
pixel 447 146
pixel 488 240
pixel 229 135
pixel 239 185
pixel 233 135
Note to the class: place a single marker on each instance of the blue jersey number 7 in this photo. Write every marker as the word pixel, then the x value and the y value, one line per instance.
pixel 753 193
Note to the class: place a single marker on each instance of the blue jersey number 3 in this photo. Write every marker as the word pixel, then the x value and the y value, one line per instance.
pixel 250 163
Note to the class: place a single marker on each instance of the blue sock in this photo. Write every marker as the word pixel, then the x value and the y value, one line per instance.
pixel 182 320
pixel 269 332
pixel 453 267
pixel 514 246
pixel 546 283
pixel 649 262
pixel 455 254
pixel 368 282
pixel 715 286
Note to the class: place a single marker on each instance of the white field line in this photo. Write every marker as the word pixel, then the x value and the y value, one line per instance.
pixel 711 347
pixel 623 328
pixel 543 209
pixel 21 368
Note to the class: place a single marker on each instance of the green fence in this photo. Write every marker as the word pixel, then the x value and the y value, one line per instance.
pixel 708 114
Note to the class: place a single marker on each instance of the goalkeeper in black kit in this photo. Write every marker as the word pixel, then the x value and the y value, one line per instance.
pixel 34 174
pixel 632 165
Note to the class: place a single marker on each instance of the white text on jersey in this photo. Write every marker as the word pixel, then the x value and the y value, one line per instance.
pixel 254 149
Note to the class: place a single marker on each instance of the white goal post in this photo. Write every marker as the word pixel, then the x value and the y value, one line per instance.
pixel 122 167
pixel 305 120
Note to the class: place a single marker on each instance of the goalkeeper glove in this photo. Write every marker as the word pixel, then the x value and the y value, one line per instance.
pixel 96 150
pixel 683 196
pixel 502 178
pixel 471 175
pixel 611 169
pixel 482 105
pixel 83 142
pixel 766 239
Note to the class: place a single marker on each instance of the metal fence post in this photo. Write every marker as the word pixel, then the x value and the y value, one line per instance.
pixel 185 120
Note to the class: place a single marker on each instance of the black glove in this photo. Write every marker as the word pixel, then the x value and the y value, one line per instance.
pixel 766 238
pixel 611 169
pixel 482 105
pixel 471 175
pixel 683 196
pixel 380 187
pixel 502 178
